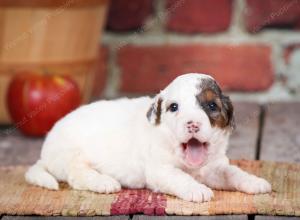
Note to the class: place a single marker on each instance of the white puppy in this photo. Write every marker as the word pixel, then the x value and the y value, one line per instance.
pixel 174 143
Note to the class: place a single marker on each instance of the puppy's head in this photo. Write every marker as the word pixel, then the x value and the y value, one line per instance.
pixel 194 112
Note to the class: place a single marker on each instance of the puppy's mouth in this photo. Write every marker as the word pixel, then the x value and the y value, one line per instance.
pixel 195 151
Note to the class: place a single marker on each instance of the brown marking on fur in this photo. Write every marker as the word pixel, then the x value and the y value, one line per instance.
pixel 211 94
pixel 155 109
pixel 158 111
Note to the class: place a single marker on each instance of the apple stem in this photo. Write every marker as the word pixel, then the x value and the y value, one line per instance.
pixel 46 71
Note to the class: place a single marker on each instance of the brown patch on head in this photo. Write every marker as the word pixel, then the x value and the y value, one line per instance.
pixel 158 111
pixel 217 106
pixel 154 112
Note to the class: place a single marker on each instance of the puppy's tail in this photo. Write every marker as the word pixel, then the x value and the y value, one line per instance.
pixel 38 175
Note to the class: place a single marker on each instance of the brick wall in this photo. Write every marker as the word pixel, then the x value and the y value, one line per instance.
pixel 252 47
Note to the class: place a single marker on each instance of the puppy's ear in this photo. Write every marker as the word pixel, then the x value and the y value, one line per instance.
pixel 155 110
pixel 228 111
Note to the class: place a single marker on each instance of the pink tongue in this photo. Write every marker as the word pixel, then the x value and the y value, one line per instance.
pixel 195 154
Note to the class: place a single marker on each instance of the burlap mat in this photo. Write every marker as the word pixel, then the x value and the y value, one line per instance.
pixel 19 198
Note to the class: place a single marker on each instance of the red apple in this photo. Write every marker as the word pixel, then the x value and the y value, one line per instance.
pixel 36 102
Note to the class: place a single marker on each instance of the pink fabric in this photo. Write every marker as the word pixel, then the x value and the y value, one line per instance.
pixel 139 201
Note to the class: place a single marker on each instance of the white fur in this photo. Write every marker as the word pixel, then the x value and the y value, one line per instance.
pixel 108 144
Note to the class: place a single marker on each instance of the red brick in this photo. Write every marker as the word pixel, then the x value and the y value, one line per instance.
pixel 190 16
pixel 237 68
pixel 128 15
pixel 297 25
pixel 270 13
pixel 101 72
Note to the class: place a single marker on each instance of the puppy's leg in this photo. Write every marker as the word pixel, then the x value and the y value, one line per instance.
pixel 174 181
pixel 228 177
pixel 83 177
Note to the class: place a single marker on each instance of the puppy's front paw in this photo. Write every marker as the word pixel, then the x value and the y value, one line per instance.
pixel 105 184
pixel 195 192
pixel 254 185
pixel 95 182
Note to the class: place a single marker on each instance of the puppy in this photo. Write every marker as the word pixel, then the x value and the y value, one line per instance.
pixel 174 143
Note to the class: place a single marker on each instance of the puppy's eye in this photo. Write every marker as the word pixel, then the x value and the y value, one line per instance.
pixel 212 106
pixel 173 107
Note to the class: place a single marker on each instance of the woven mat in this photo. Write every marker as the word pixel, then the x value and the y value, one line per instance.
pixel 19 198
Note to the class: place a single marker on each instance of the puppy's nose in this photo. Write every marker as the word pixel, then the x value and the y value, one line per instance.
pixel 193 127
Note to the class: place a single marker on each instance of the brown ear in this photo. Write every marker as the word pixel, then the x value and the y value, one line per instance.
pixel 227 110
pixel 154 112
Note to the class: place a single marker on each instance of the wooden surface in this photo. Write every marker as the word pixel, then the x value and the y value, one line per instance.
pixel 18 149
pixel 247 122
pixel 281 133
pixel 280 141
pixel 276 218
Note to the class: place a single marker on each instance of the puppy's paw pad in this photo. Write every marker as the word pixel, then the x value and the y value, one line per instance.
pixel 196 192
pixel 255 185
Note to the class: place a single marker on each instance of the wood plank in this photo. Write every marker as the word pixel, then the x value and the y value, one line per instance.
pixel 123 217
pixel 262 217
pixel 216 217
pixel 281 140
pixel 18 149
pixel 243 140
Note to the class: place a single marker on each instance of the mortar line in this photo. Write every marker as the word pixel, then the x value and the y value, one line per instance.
pixel 261 123
pixel 251 217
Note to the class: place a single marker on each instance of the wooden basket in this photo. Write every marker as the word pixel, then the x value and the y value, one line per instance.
pixel 50 36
